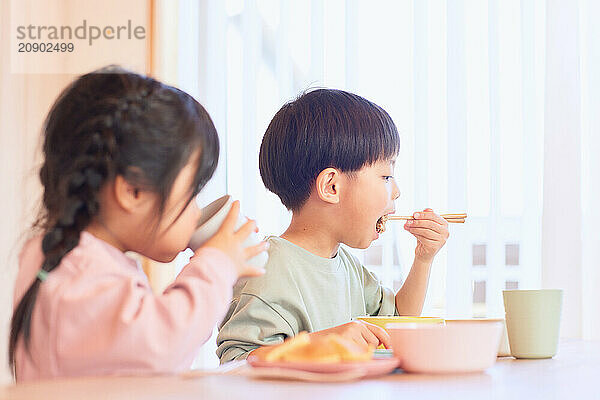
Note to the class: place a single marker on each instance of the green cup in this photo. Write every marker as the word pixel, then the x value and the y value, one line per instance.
pixel 533 321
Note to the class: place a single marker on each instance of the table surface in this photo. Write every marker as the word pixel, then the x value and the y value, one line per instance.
pixel 574 373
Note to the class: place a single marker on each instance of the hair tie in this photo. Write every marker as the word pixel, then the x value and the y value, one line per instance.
pixel 42 275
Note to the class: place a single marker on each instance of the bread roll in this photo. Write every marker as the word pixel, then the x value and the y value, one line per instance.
pixel 326 349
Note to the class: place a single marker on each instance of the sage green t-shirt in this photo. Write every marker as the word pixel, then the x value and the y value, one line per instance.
pixel 299 292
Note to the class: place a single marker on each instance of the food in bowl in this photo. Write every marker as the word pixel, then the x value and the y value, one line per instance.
pixel 331 348
pixel 453 348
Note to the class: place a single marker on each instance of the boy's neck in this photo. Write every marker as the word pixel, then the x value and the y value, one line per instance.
pixel 310 231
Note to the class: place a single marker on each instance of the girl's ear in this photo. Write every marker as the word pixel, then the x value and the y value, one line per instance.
pixel 327 185
pixel 127 196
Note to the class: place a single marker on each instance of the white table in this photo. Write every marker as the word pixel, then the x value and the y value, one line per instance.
pixel 573 374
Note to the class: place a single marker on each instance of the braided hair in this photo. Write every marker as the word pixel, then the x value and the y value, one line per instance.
pixel 107 123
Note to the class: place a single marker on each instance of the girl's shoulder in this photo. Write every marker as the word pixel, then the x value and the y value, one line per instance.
pixel 92 257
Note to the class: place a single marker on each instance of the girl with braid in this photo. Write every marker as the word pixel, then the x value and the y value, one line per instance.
pixel 124 158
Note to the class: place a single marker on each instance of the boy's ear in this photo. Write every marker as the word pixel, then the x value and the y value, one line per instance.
pixel 127 196
pixel 327 185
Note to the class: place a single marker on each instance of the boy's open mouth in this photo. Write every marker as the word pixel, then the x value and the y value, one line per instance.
pixel 380 225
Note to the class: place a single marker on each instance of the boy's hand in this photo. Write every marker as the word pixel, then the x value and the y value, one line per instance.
pixel 231 242
pixel 360 332
pixel 431 232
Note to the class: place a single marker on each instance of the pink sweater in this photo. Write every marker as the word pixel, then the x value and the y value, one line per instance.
pixel 96 313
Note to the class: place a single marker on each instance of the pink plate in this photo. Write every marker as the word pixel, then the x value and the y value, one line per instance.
pixel 374 367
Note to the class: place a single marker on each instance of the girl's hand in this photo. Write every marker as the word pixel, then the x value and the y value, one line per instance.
pixel 431 232
pixel 231 242
pixel 362 333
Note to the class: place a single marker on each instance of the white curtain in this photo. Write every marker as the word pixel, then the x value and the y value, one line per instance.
pixel 571 242
pixel 590 144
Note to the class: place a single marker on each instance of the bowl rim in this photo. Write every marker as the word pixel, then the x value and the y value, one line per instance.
pixel 212 209
pixel 416 326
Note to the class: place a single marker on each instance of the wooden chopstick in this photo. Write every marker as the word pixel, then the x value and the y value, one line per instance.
pixel 451 218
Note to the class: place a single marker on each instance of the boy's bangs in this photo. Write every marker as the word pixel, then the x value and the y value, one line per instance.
pixel 385 141
pixel 361 133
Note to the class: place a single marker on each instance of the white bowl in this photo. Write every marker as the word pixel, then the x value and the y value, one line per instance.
pixel 211 219
pixel 454 348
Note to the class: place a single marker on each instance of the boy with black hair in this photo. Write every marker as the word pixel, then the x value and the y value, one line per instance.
pixel 329 156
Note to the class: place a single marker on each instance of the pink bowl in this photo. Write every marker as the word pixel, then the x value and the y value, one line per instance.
pixel 466 347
